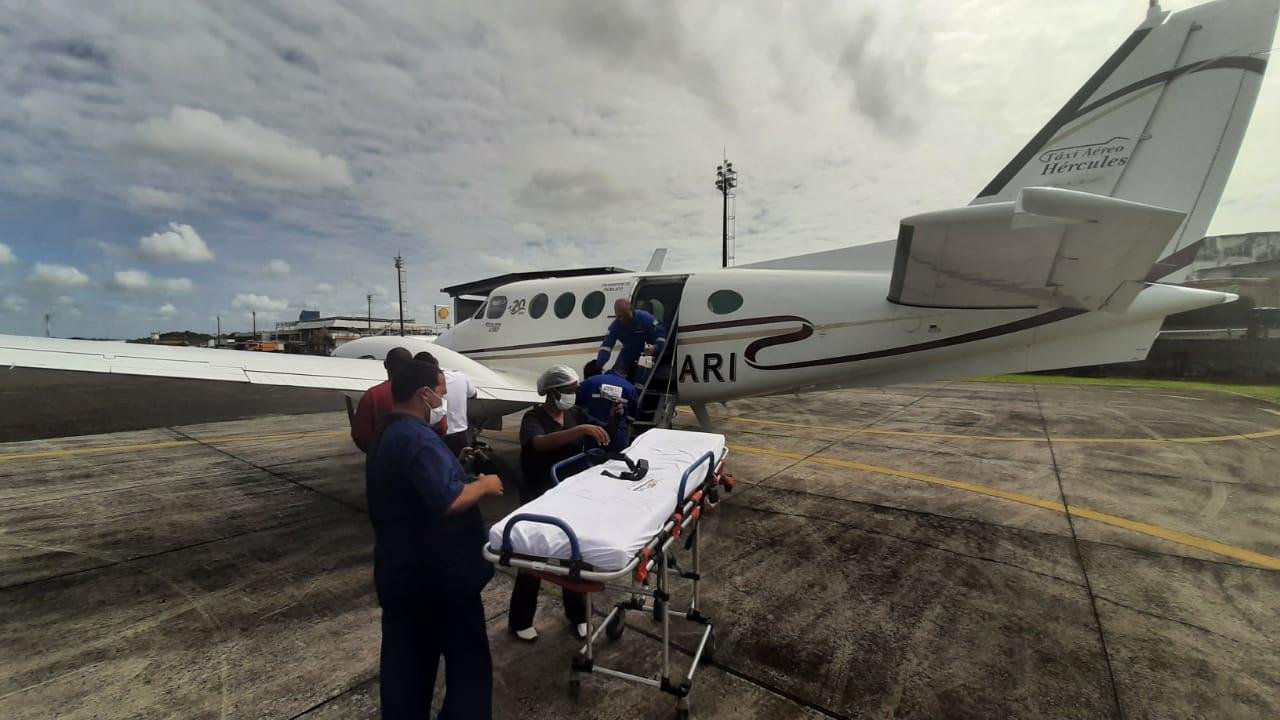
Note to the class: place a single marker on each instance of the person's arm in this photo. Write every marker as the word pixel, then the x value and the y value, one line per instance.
pixel 556 440
pixel 473 491
pixel 363 424
pixel 440 480
pixel 606 346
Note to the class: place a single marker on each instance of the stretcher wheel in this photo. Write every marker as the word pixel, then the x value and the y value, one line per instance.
pixel 615 627
pixel 575 691
pixel 659 606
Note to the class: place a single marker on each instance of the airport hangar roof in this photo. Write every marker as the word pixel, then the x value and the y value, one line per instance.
pixel 488 285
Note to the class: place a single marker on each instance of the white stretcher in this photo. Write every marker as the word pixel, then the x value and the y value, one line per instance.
pixel 613 518
pixel 605 528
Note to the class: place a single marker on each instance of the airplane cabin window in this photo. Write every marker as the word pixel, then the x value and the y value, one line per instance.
pixel 538 306
pixel 593 304
pixel 723 302
pixel 658 309
pixel 497 306
pixel 480 310
pixel 564 304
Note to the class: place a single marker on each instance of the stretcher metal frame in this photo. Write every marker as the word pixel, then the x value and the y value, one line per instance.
pixel 657 559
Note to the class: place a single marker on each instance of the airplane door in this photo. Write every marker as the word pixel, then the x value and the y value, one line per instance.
pixel 660 296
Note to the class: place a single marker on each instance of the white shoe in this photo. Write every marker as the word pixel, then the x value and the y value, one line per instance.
pixel 528 634
pixel 582 631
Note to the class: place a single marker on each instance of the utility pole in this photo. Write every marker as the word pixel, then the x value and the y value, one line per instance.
pixel 726 181
pixel 255 324
pixel 218 342
pixel 400 286
pixel 47 332
pixel 369 317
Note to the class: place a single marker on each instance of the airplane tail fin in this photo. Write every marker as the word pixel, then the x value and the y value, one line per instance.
pixel 1161 122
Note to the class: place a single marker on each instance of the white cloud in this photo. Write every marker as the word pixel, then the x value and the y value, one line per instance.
pixel 180 243
pixel 253 154
pixel 175 285
pixel 64 301
pixel 323 288
pixel 167 310
pixel 136 280
pixel 132 280
pixel 35 180
pixel 277 267
pixel 149 198
pixel 13 303
pixel 57 275
pixel 6 255
pixel 260 303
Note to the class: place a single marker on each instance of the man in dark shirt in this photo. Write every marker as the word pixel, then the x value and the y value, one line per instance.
pixel 427 565
pixel 610 400
pixel 376 401
pixel 553 431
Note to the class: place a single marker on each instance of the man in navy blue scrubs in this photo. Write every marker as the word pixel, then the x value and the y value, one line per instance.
pixel 427 563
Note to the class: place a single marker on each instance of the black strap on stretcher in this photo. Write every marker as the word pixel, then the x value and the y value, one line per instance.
pixel 636 470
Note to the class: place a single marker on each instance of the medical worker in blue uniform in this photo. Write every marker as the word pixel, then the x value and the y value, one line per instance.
pixel 427 565
pixel 610 400
pixel 637 330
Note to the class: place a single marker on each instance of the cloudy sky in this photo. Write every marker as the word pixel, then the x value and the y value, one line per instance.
pixel 167 162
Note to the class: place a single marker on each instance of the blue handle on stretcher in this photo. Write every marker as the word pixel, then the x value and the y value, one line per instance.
pixel 555 469
pixel 574 554
pixel 708 455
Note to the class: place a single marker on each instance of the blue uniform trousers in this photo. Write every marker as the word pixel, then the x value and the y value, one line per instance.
pixel 413 639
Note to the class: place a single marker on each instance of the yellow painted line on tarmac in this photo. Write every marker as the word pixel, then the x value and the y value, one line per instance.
pixel 1267 561
pixel 162 444
pixel 1010 438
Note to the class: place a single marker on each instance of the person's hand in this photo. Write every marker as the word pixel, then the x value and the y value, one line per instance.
pixel 619 407
pixel 595 432
pixel 491 484
pixel 467 455
pixel 649 349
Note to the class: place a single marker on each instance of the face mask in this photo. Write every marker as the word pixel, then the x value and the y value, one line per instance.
pixel 437 413
pixel 564 402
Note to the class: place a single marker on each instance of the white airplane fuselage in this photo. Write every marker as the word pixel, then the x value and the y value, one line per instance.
pixel 803 330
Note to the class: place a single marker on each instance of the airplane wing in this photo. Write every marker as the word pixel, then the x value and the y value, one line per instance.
pixel 302 371
pixel 1049 246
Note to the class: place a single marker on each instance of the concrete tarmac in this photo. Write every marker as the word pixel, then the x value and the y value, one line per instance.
pixel 942 550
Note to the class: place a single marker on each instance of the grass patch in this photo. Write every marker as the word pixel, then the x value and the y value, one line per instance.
pixel 1262 392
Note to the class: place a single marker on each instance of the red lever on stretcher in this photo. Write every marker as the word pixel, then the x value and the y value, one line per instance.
pixel 642 570
pixel 677 518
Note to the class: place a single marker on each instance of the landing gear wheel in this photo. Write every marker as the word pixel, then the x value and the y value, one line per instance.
pixel 575 691
pixel 615 627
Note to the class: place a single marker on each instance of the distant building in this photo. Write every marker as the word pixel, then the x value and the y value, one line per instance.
pixel 311 333
pixel 1247 264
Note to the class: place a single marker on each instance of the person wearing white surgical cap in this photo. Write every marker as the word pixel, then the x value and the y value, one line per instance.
pixel 551 431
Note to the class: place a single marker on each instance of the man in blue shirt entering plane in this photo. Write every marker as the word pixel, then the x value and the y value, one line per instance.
pixel 427 565
pixel 610 399
pixel 637 331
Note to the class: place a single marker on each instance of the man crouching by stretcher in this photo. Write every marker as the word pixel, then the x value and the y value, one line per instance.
pixel 553 431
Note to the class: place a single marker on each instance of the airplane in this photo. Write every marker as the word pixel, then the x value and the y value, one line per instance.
pixel 1055 264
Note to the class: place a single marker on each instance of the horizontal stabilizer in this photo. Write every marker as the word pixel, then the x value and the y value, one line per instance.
pixel 1049 246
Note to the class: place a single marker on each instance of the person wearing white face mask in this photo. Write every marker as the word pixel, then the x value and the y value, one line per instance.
pixel 427 565
pixel 551 431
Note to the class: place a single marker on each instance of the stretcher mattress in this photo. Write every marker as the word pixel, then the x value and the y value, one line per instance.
pixel 613 518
